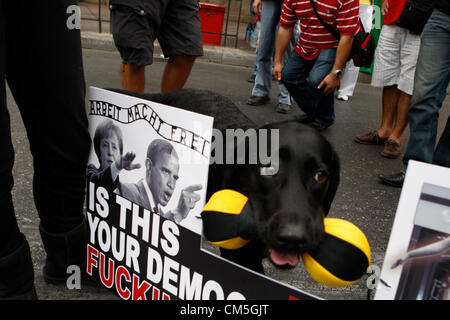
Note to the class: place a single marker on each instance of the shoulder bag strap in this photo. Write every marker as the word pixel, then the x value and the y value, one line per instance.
pixel 326 25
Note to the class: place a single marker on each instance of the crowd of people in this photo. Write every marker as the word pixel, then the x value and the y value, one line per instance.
pixel 412 69
pixel 319 67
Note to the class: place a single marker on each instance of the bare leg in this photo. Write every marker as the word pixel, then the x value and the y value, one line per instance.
pixel 390 100
pixel 132 77
pixel 176 72
pixel 402 117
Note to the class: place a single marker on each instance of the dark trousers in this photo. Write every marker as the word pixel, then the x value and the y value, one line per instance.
pixel 302 77
pixel 41 60
pixel 430 85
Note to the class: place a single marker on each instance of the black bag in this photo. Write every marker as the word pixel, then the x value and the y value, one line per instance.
pixel 363 47
pixel 415 15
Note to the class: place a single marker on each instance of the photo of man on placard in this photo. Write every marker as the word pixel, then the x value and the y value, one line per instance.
pixel 155 190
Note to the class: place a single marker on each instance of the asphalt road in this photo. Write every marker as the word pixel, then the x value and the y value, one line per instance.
pixel 360 199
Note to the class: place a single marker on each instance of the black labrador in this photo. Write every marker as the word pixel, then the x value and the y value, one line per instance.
pixel 289 203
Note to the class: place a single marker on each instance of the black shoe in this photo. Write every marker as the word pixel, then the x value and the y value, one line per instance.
pixel 17 274
pixel 283 108
pixel 252 78
pixel 304 119
pixel 64 250
pixel 321 127
pixel 395 180
pixel 258 101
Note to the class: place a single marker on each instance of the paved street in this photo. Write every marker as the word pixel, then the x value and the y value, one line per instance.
pixel 360 199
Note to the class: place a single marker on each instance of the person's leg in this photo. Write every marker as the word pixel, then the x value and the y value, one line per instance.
pixel 391 148
pixel 176 72
pixel 16 266
pixel 431 81
pixel 432 77
pixel 401 120
pixel 442 153
pixel 386 75
pixel 324 110
pixel 54 115
pixel 294 77
pixel 181 40
pixel 252 77
pixel 284 98
pixel 390 99
pixel 132 77
pixel 269 21
pixel 53 111
pixel 409 51
pixel 133 34
pixel 9 231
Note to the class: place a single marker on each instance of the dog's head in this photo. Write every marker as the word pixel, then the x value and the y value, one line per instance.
pixel 291 196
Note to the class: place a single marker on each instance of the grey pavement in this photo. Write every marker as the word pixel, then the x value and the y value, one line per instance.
pixel 360 199
pixel 217 54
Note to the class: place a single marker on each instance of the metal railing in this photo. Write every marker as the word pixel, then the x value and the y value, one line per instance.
pixel 92 16
pixel 94 11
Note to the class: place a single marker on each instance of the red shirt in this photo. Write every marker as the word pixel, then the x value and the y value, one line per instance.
pixel 395 8
pixel 342 15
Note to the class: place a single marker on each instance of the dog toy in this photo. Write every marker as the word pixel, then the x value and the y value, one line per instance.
pixel 228 220
pixel 342 257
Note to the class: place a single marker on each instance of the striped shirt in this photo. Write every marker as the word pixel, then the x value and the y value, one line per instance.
pixel 342 15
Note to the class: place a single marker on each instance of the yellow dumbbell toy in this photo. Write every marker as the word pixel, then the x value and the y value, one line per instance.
pixel 340 259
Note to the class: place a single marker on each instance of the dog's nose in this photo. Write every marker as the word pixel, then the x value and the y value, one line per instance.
pixel 293 236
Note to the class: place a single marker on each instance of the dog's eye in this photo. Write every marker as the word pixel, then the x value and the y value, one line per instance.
pixel 268 171
pixel 320 176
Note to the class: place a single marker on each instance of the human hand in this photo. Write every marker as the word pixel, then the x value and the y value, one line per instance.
pixel 126 162
pixel 277 69
pixel 329 84
pixel 384 6
pixel 399 262
pixel 188 199
pixel 257 6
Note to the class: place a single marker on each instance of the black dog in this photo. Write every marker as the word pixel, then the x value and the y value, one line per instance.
pixel 289 205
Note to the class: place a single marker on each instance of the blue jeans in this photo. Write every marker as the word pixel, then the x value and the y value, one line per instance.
pixel 270 17
pixel 302 77
pixel 430 84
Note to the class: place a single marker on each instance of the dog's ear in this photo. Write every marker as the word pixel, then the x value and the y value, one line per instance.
pixel 333 182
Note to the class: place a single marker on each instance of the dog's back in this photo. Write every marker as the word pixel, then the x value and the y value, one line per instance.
pixel 224 111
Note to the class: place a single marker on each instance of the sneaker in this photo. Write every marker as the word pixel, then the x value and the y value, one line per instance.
pixel 258 101
pixel 391 149
pixel 342 97
pixel 371 138
pixel 283 108
pixel 252 78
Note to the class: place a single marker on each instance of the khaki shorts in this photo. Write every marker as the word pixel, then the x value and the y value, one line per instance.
pixel 396 58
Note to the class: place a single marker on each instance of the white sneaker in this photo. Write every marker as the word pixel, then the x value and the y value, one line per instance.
pixel 342 97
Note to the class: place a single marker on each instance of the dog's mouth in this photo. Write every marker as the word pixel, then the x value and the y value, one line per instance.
pixel 288 255
pixel 283 259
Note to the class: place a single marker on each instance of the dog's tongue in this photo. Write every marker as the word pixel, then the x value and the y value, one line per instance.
pixel 282 259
